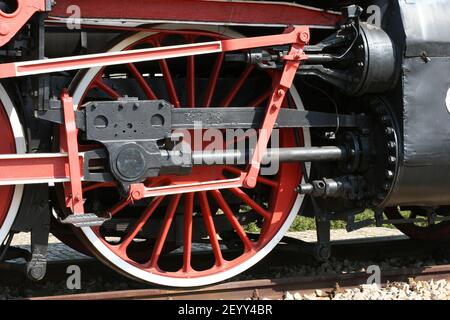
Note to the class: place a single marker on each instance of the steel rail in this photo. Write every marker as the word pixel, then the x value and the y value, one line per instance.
pixel 264 288
pixel 289 253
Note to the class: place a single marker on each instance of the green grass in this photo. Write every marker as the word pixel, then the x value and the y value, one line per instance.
pixel 302 223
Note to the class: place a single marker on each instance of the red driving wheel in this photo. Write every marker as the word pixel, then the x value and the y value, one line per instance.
pixel 12 141
pixel 207 81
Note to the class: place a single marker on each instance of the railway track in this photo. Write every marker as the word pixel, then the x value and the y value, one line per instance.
pixel 264 288
pixel 262 283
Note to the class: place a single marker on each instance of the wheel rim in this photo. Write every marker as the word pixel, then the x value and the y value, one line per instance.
pixel 435 232
pixel 278 215
pixel 13 141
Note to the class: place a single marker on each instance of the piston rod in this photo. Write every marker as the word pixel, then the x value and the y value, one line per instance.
pixel 281 155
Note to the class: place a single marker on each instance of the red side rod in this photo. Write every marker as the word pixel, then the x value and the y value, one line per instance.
pixel 74 192
pixel 27 68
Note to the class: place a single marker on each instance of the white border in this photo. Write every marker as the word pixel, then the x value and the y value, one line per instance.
pixel 182 282
pixel 20 148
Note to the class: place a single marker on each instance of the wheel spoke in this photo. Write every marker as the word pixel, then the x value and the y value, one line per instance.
pixel 169 83
pixel 168 219
pixel 190 82
pixel 187 250
pixel 268 182
pixel 209 223
pixel 244 197
pixel 119 207
pixel 142 82
pixel 99 83
pixel 230 216
pixel 213 81
pixel 263 180
pixel 99 185
pixel 134 230
pixel 258 101
pixel 238 85
pixel 168 80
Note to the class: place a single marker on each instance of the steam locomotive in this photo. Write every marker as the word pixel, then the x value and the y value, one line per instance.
pixel 177 141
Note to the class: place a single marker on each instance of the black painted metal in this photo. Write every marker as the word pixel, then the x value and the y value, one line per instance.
pixel 424 174
pixel 426 25
pixel 369 63
pixel 190 118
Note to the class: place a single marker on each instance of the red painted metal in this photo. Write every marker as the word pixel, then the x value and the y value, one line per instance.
pixel 169 80
pixel 140 79
pixel 293 60
pixel 246 198
pixel 74 199
pixel 119 207
pixel 34 168
pixel 17 69
pixel 213 81
pixel 140 191
pixel 187 236
pixel 207 11
pixel 7 146
pixel 134 230
pixel 105 88
pixel 11 23
pixel 237 86
pixel 299 37
pixel 210 228
pixel 233 220
pixel 161 239
pixel 105 59
pixel 190 79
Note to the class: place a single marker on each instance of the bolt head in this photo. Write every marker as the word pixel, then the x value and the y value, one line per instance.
pixel 4 29
pixel 136 195
pixel 389 131
pixel 251 182
pixel 304 37
pixel 280 92
pixel 392 145
pixel 389 174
